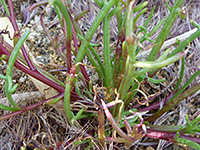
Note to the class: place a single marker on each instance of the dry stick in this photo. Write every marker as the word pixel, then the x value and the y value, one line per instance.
pixel 21 97
pixel 169 43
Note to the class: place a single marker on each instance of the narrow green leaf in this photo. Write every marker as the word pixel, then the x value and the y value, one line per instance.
pixel 2 76
pixel 64 11
pixel 185 85
pixel 166 29
pixel 139 7
pixel 188 143
pixel 12 90
pixel 8 82
pixel 181 74
pixel 99 3
pixel 7 108
pixel 14 53
pixel 154 81
pixel 5 7
pixel 67 95
pixel 59 15
pixel 106 53
pixel 102 13
pixel 159 64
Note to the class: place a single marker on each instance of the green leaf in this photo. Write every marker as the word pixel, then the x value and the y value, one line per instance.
pixel 139 7
pixel 188 143
pixel 67 95
pixel 8 84
pixel 165 30
pixel 159 64
pixel 2 76
pixel 5 7
pixel 7 108
pixel 64 11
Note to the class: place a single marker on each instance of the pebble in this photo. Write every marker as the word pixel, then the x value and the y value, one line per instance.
pixel 37 53
pixel 37 19
pixel 32 36
pixel 39 28
pixel 149 148
pixel 21 79
pixel 19 24
pixel 42 59
pixel 32 22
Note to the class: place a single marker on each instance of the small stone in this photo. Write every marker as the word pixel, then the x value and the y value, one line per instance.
pixel 21 79
pixel 19 25
pixel 39 28
pixel 50 48
pixel 42 59
pixel 150 148
pixel 32 22
pixel 37 53
pixel 37 19
pixel 29 25
pixel 31 37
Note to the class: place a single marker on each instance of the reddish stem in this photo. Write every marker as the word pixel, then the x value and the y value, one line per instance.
pixel 68 47
pixel 37 4
pixel 169 136
pixel 46 30
pixel 115 125
pixel 75 39
pixel 27 108
pixel 17 33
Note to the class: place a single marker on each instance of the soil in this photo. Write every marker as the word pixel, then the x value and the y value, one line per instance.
pixel 47 125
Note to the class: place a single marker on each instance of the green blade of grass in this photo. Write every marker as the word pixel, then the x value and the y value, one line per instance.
pixel 103 12
pixel 106 54
pixel 187 142
pixel 2 76
pixel 5 7
pixel 175 11
pixel 66 16
pixel 9 89
pixel 67 95
pixel 159 64
pixel 7 108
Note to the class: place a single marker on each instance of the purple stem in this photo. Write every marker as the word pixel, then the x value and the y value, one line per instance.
pixel 75 39
pixel 115 125
pixel 17 33
pixel 156 104
pixel 37 4
pixel 169 136
pixel 27 108
pixel 45 29
pixel 62 48
pixel 68 47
